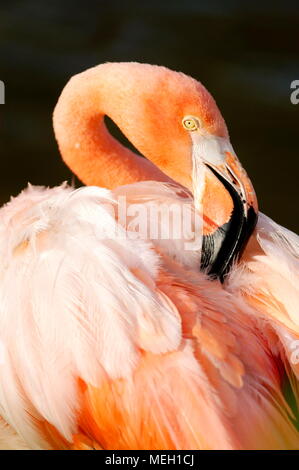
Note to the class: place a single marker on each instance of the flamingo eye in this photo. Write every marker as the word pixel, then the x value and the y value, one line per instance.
pixel 191 123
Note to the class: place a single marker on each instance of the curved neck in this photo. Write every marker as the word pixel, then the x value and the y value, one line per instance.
pixel 86 146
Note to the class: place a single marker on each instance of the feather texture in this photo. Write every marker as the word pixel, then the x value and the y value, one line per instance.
pixel 113 342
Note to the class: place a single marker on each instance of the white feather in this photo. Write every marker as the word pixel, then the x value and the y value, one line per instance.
pixel 85 310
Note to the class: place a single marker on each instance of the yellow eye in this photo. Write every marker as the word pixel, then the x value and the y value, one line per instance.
pixel 191 123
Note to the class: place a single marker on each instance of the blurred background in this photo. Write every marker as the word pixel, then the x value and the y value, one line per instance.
pixel 245 53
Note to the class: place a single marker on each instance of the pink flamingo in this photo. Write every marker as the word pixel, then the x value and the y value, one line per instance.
pixel 131 343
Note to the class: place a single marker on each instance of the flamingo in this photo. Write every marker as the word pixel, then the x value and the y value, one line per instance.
pixel 122 342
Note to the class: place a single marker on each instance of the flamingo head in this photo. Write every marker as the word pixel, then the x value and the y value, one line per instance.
pixel 223 190
pixel 174 121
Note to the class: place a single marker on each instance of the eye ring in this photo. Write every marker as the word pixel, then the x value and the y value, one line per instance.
pixel 191 123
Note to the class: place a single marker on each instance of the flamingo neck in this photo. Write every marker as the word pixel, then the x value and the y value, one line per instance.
pixel 86 146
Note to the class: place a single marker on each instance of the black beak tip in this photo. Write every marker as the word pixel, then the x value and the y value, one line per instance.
pixel 223 247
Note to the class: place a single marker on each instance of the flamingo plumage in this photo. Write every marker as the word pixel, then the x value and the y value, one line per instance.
pixel 136 343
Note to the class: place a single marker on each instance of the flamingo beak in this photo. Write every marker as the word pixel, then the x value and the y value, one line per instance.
pixel 221 248
pixel 231 171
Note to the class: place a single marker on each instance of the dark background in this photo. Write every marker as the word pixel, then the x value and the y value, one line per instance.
pixel 246 53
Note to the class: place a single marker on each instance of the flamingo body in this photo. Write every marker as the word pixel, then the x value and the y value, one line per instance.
pixel 122 342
